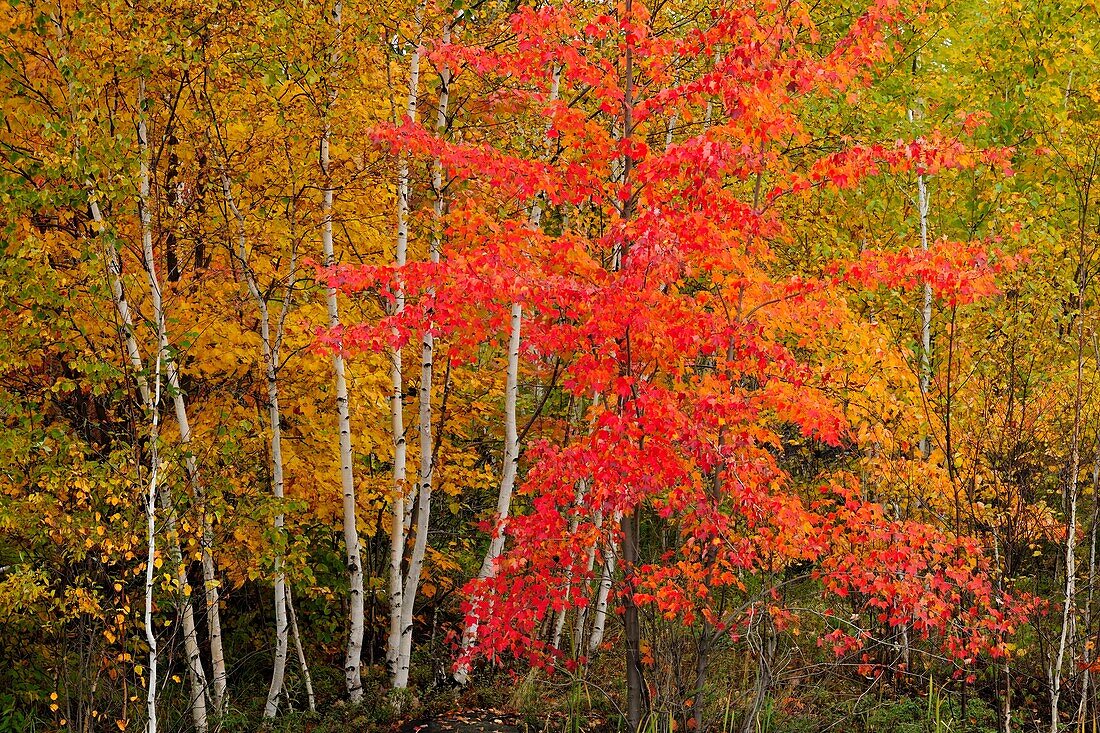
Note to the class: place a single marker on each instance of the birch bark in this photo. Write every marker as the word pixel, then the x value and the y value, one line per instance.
pixel 511 436
pixel 190 637
pixel 599 618
pixel 150 401
pixel 402 507
pixel 923 208
pixel 1066 639
pixel 354 652
pixel 153 403
pixel 427 366
pixel 307 678
pixel 1069 603
pixel 271 344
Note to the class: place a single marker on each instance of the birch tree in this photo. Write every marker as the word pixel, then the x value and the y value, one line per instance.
pixel 271 344
pixel 510 459
pixel 402 507
pixel 354 651
pixel 191 645
pixel 151 552
pixel 164 363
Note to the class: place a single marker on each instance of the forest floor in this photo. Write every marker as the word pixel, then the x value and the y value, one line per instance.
pixel 467 721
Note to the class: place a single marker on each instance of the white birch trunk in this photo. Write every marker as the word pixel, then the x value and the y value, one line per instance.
pixel 307 678
pixel 559 621
pixel 196 674
pixel 209 570
pixel 179 403
pixel 1086 681
pixel 923 208
pixel 153 403
pixel 150 636
pixel 578 500
pixel 190 464
pixel 171 369
pixel 122 308
pixel 1066 639
pixel 507 479
pixel 1054 675
pixel 582 613
pixel 511 437
pixel 397 527
pixel 559 617
pixel 926 310
pixel 271 345
pixel 281 620
pixel 190 637
pixel 402 505
pixel 599 619
pixel 427 366
pixel 354 653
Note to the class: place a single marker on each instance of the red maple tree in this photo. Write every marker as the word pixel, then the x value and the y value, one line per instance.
pixel 662 151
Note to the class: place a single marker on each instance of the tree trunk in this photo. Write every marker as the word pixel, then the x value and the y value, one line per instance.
pixel 636 693
pixel 1086 675
pixel 150 400
pixel 426 443
pixel 559 620
pixel 764 659
pixel 1066 638
pixel 271 345
pixel 190 464
pixel 209 570
pixel 925 373
pixel 354 652
pixel 606 578
pixel 599 618
pixel 580 622
pixel 507 479
pixel 150 636
pixel 402 506
pixel 702 660
pixel 195 672
pixel 511 437
pixel 926 310
pixel 190 637
pixel 152 403
pixel 511 444
pixel 307 678
pixel 281 620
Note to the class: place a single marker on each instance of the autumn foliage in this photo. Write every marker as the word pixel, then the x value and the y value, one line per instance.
pixel 654 291
pixel 688 352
